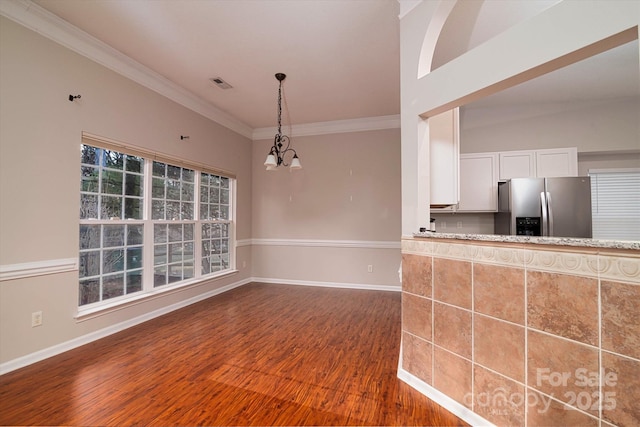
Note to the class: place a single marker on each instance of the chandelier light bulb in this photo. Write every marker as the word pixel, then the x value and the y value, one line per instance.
pixel 271 161
pixel 295 162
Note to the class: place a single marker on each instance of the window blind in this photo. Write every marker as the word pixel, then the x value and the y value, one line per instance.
pixel 615 199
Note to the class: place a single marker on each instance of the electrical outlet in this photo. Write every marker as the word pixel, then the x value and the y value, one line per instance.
pixel 459 225
pixel 370 268
pixel 443 224
pixel 36 319
pixel 244 264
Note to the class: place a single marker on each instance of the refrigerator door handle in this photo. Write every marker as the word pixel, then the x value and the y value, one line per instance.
pixel 550 226
pixel 543 206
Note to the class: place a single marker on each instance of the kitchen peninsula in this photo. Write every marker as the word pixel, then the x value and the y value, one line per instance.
pixel 523 330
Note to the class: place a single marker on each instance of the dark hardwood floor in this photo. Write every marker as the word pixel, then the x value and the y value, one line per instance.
pixel 257 355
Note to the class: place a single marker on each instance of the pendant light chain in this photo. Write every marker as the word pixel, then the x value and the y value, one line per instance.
pixel 276 156
pixel 280 108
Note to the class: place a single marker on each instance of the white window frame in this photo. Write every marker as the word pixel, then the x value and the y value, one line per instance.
pixel 148 289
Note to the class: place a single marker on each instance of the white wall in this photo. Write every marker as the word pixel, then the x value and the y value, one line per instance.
pixel 40 136
pixel 329 221
pixel 596 126
pixel 472 223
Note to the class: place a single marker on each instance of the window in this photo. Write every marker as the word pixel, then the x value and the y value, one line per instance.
pixel 214 213
pixel 172 206
pixel 146 223
pixel 615 200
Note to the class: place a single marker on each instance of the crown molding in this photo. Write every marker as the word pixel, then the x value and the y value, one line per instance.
pixel 336 126
pixel 45 23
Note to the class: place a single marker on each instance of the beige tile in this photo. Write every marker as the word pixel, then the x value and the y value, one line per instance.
pixel 416 315
pixel 573 261
pixel 563 305
pixel 505 256
pixel 452 282
pixel 621 390
pixel 499 292
pixel 558 367
pixel 499 346
pixel 453 249
pixel 620 268
pixel 498 399
pixel 621 318
pixel 416 274
pixel 452 329
pixel 544 411
pixel 417 246
pixel 452 376
pixel 417 357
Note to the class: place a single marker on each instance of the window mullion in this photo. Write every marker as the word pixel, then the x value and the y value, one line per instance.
pixel 147 283
pixel 232 224
pixel 197 232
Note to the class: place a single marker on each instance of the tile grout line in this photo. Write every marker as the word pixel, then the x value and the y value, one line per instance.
pixel 600 368
pixel 526 336
pixel 433 322
pixel 528 389
pixel 591 346
pixel 563 403
pixel 473 337
pixel 461 357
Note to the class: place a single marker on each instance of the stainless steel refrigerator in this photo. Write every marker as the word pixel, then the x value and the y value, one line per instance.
pixel 559 207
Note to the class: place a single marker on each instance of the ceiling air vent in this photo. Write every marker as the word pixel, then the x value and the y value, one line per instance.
pixel 220 83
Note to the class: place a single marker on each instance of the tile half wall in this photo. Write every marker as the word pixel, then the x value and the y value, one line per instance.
pixel 522 334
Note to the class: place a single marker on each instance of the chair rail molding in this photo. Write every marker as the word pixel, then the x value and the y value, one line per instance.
pixel 37 268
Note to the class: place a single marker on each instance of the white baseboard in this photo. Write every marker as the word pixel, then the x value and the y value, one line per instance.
pixel 443 400
pixel 37 356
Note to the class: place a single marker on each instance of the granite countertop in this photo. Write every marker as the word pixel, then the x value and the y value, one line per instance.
pixel 558 241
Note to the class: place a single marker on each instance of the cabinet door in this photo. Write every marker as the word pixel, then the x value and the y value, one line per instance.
pixel 479 182
pixel 557 162
pixel 444 151
pixel 517 164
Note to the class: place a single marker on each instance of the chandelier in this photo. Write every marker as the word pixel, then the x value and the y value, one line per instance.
pixel 276 156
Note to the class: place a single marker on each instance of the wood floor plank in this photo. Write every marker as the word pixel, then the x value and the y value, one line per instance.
pixel 261 354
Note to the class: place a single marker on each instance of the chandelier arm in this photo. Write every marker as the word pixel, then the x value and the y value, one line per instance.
pixel 288 141
pixel 285 151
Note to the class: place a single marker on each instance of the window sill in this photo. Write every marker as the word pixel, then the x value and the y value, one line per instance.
pixel 110 307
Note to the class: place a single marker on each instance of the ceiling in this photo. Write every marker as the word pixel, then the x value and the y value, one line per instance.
pixel 341 57
pixel 612 74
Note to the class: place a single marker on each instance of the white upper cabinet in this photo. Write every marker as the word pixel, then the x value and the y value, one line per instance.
pixel 539 163
pixel 517 164
pixel 478 182
pixel 444 145
pixel 480 173
pixel 557 162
